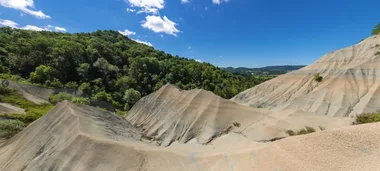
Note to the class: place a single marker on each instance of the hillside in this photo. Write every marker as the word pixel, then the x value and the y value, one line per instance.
pixel 105 65
pixel 348 84
pixel 264 71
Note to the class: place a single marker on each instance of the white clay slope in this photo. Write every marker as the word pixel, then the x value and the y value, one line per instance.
pixel 171 114
pixel 82 138
pixel 350 86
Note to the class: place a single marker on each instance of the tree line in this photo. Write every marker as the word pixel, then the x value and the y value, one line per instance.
pixel 108 66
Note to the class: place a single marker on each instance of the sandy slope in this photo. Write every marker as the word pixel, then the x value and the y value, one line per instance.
pixel 170 114
pixel 6 108
pixel 351 84
pixel 74 137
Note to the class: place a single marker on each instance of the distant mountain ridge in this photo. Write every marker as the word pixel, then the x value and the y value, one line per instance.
pixel 268 70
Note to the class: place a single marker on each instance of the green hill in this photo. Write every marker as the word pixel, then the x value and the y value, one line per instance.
pixel 106 65
pixel 264 71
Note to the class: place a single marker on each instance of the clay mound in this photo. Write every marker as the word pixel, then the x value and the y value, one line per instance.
pixel 350 84
pixel 6 108
pixel 71 137
pixel 76 137
pixel 171 114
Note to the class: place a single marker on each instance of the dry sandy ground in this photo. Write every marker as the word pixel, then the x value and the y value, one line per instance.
pixel 351 84
pixel 74 137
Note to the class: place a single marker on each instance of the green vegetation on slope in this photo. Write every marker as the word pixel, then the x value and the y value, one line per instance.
pixel 9 128
pixel 376 30
pixel 33 111
pixel 107 65
pixel 317 77
pixel 306 130
pixel 367 118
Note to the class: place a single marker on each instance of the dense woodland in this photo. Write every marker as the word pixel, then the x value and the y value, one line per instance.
pixel 106 65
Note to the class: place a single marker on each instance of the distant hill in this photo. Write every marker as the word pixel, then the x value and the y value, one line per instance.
pixel 268 70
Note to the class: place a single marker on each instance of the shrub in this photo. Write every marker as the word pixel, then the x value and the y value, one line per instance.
pixel 306 130
pixel 367 118
pixel 81 100
pixel 5 91
pixel 4 69
pixel 318 77
pixel 71 85
pixel 290 132
pixel 60 97
pixel 12 77
pixel 9 128
pixel 377 53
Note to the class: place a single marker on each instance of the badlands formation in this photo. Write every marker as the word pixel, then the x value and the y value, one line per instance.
pixel 350 86
pixel 173 129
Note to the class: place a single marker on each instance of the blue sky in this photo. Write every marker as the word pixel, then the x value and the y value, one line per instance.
pixel 249 33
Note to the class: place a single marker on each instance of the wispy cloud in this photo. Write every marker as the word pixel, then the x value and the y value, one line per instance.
pixel 160 25
pixel 8 23
pixel 25 6
pixel 127 32
pixel 143 42
pixel 13 24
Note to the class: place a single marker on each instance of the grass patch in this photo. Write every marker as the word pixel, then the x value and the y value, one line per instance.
pixel 33 111
pixel 306 130
pixel 9 128
pixel 367 118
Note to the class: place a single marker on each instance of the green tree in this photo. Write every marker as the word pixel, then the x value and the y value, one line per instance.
pixel 42 74
pixel 376 30
pixel 131 96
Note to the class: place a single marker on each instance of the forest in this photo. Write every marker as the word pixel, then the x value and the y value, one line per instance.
pixel 106 65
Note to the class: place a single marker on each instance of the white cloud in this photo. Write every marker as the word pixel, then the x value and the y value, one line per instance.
pixel 8 23
pixel 143 42
pixel 147 6
pixel 160 25
pixel 34 28
pixel 198 60
pixel 131 10
pixel 55 28
pixel 13 24
pixel 185 1
pixel 161 35
pixel 189 47
pixel 219 1
pixel 127 32
pixel 47 28
pixel 25 6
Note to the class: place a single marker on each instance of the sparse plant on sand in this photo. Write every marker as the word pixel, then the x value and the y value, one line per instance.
pixel 306 130
pixel 377 53
pixel 236 124
pixel 318 78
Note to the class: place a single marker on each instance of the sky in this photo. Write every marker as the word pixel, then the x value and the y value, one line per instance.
pixel 237 33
